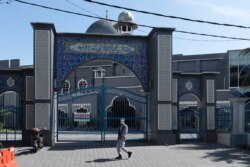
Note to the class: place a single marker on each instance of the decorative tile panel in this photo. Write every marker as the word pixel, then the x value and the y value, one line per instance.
pixel 164 117
pixel 164 67
pixel 105 48
pixel 10 83
pixel 210 118
pixel 42 115
pixel 189 85
pixel 224 119
pixel 74 51
pixel 210 91
pixel 42 64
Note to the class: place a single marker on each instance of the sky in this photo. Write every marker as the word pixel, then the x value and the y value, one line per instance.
pixel 16 33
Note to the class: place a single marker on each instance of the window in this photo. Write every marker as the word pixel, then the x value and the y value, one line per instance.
pixel 124 28
pixel 239 65
pixel 99 72
pixel 82 84
pixel 65 87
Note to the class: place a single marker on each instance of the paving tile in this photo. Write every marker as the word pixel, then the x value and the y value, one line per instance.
pixel 102 155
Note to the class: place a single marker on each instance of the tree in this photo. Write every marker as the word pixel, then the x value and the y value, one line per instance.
pixel 245 51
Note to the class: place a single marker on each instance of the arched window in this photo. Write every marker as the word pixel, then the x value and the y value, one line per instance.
pixel 82 84
pixel 65 87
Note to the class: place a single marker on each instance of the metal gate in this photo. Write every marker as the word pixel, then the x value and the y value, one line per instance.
pixel 93 114
pixel 190 123
pixel 10 123
pixel 247 118
pixel 224 119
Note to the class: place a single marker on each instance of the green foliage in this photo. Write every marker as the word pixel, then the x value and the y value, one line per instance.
pixel 227 130
pixel 1 126
pixel 245 52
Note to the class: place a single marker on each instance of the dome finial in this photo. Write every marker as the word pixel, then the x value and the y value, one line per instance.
pixel 107 14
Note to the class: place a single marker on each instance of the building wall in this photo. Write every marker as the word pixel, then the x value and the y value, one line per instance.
pixel 122 78
pixel 203 64
pixel 152 74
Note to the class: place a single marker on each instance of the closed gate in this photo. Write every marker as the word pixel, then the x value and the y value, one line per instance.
pixel 190 123
pixel 93 114
pixel 10 123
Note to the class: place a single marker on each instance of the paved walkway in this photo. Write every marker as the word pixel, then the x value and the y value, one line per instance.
pixel 99 154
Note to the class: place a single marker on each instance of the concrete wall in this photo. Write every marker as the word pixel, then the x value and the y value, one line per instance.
pixel 224 138
pixel 228 140
pixel 204 63
pixel 116 75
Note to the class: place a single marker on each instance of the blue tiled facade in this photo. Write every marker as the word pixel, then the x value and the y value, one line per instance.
pixel 189 85
pixel 10 82
pixel 74 51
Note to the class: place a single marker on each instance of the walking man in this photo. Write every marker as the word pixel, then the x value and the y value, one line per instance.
pixel 122 132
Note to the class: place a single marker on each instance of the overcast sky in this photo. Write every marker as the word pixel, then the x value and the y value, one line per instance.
pixel 16 34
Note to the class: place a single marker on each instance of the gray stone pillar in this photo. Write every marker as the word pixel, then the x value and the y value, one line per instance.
pixel 207 131
pixel 238 136
pixel 44 35
pixel 238 115
pixel 160 75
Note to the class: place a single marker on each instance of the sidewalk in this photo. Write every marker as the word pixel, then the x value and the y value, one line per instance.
pixel 99 154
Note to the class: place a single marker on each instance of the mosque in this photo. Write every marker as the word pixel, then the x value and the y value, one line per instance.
pixel 81 84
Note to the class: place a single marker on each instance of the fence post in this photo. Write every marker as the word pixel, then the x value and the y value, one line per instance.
pixel 102 112
pixel 147 116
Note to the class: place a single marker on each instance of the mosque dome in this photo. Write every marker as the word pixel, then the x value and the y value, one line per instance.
pixel 102 27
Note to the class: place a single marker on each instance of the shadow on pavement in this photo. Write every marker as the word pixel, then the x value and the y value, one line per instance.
pixel 24 151
pixel 101 160
pixel 217 153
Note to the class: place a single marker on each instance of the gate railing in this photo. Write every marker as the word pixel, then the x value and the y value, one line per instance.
pixel 190 120
pixel 224 119
pixel 247 119
pixel 96 112
pixel 10 123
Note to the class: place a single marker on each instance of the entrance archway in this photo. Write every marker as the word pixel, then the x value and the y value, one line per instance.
pixel 92 110
pixel 121 109
pixel 189 116
pixel 10 116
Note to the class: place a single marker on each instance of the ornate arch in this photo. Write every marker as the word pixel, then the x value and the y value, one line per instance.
pixel 73 51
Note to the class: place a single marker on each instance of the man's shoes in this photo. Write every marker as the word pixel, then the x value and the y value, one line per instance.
pixel 129 154
pixel 119 157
